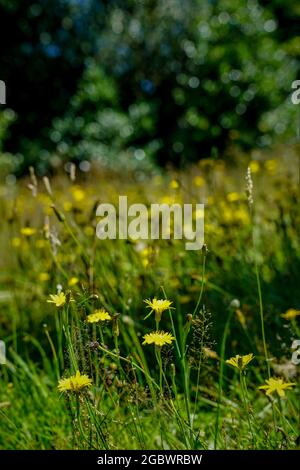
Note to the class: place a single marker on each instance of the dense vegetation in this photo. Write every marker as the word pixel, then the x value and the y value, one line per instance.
pixel 128 82
pixel 237 296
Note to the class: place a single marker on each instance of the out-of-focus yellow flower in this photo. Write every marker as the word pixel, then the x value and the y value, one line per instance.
pixel 98 316
pixel 276 385
pixel 210 200
pixel 174 184
pixel 58 299
pixel 290 314
pixel 76 383
pixel 158 306
pixel 254 166
pixel 145 262
pixel 240 362
pixel 271 165
pixel 228 215
pixel 199 181
pixel 43 277
pixel 167 200
pixel 28 231
pixel 232 197
pixel 242 215
pixel 16 242
pixel 78 193
pixel 73 281
pixel 159 338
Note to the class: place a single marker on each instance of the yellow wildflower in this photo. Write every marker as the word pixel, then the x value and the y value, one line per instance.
pixel 73 281
pixel 16 242
pixel 75 383
pixel 158 306
pixel 240 362
pixel 199 181
pixel 159 338
pixel 276 385
pixel 271 165
pixel 290 314
pixel 28 231
pixel 232 197
pixel 98 315
pixel 174 184
pixel 254 166
pixel 58 299
pixel 43 277
pixel 78 193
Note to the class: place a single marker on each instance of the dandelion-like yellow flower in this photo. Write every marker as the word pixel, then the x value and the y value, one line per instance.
pixel 28 231
pixel 276 385
pixel 58 299
pixel 240 362
pixel 98 315
pixel 73 281
pixel 159 338
pixel 290 314
pixel 75 383
pixel 158 306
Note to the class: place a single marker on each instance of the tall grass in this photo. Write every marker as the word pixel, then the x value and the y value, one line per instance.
pixel 183 395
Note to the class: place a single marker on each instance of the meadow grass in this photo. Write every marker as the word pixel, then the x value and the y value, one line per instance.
pixel 238 295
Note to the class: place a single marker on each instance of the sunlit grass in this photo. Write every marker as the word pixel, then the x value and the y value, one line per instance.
pixel 121 344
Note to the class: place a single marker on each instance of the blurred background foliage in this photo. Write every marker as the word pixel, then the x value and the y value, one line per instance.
pixel 135 83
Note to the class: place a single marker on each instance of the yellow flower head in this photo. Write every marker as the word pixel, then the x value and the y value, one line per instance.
pixel 199 181
pixel 174 184
pixel 73 281
pixel 159 338
pixel 43 277
pixel 240 362
pixel 158 306
pixel 28 231
pixel 276 385
pixel 98 315
pixel 233 197
pixel 16 242
pixel 58 299
pixel 75 383
pixel 254 166
pixel 290 314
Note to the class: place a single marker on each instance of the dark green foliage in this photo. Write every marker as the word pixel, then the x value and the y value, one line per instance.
pixel 165 80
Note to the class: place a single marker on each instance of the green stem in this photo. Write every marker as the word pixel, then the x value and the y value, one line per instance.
pixel 202 287
pixel 261 310
pixel 221 373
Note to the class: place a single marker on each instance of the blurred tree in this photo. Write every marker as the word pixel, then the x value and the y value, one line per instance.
pixel 161 79
pixel 43 45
